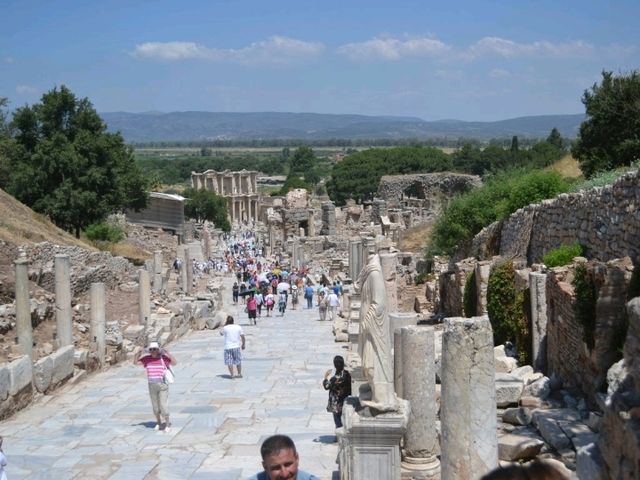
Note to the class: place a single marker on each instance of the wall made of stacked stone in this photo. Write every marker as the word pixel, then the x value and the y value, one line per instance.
pixel 565 346
pixel 606 220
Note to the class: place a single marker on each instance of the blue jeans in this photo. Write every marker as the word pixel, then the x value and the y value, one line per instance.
pixel 337 419
pixel 310 302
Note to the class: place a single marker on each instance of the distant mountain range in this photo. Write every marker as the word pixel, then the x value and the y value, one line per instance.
pixel 188 126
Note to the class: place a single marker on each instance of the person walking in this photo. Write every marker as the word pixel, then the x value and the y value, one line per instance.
pixel 260 302
pixel 233 344
pixel 334 303
pixel 308 295
pixel 252 308
pixel 269 301
pixel 294 296
pixel 322 306
pixel 236 291
pixel 338 382
pixel 282 302
pixel 156 361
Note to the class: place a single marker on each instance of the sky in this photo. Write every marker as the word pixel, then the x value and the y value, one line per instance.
pixel 474 60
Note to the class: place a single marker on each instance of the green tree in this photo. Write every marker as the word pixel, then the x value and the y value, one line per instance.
pixel 358 175
pixel 303 160
pixel 206 205
pixel 610 136
pixel 555 139
pixel 514 145
pixel 5 140
pixel 66 165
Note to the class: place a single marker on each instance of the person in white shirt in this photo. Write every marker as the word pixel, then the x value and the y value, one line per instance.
pixel 334 303
pixel 233 344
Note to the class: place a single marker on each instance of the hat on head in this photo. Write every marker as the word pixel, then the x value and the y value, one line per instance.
pixel 154 345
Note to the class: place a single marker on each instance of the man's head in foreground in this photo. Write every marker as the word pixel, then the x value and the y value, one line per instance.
pixel 279 458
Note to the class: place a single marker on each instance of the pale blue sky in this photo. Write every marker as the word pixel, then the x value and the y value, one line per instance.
pixel 469 60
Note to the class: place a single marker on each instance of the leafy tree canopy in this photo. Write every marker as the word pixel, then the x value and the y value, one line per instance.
pixel 610 137
pixel 65 165
pixel 206 205
pixel 358 175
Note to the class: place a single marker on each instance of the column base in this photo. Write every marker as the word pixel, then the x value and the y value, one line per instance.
pixel 420 468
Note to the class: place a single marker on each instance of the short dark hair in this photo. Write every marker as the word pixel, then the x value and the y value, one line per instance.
pixel 275 444
pixel 338 360
pixel 229 320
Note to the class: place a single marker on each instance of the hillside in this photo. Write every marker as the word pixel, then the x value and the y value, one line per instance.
pixel 186 126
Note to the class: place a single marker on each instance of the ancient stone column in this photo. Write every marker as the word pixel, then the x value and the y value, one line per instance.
pixel 419 387
pixel 23 311
pixel 482 271
pixel 157 271
pixel 538 290
pixel 64 331
pixel 294 254
pixel 397 320
pixel 312 224
pixel 389 262
pixel 207 244
pixel 468 400
pixel 183 270
pixel 355 258
pixel 328 219
pixel 98 321
pixel 144 297
pixel 189 272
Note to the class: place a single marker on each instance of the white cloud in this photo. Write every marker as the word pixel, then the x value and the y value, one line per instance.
pixel 389 48
pixel 275 49
pixel 502 47
pixel 26 89
pixel 171 51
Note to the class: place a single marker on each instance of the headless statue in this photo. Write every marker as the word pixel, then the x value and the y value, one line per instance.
pixel 375 341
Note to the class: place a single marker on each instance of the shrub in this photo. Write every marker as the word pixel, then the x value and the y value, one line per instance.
pixel 470 295
pixel 505 306
pixel 584 306
pixel 563 255
pixel 104 232
pixel 498 198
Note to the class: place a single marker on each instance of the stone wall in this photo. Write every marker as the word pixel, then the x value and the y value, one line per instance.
pixel 606 220
pixel 87 266
pixel 567 353
pixel 434 188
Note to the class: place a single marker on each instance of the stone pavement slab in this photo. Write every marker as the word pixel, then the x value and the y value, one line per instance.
pixel 102 427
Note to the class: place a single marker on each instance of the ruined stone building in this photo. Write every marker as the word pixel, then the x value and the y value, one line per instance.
pixel 240 189
pixel 164 210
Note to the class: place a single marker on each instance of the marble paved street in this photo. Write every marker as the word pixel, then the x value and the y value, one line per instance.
pixel 102 427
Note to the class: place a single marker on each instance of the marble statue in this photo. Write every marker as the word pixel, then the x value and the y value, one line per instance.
pixel 375 341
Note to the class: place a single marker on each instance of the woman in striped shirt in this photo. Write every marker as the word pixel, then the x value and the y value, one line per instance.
pixel 156 362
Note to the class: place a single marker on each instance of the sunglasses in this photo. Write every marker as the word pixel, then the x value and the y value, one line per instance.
pixel 154 349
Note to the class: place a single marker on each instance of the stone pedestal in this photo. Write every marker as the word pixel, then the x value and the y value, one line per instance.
pixel 419 458
pixel 538 289
pixel 24 329
pixel 64 326
pixel 98 321
pixel 369 447
pixel 468 400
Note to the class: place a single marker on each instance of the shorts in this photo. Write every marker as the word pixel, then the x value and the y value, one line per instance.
pixel 252 313
pixel 232 356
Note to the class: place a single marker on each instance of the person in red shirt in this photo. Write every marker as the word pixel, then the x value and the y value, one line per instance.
pixel 156 362
pixel 252 308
